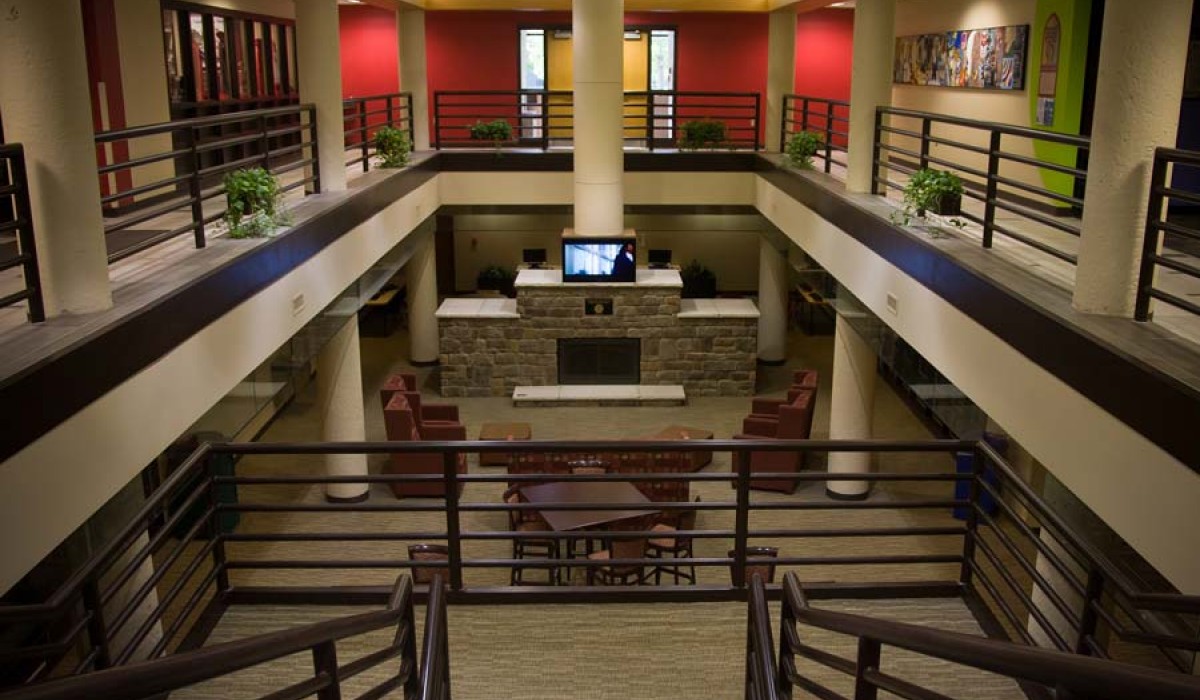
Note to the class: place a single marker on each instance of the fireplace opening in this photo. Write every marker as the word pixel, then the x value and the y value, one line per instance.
pixel 599 361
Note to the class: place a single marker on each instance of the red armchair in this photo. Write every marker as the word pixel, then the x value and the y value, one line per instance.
pixel 400 423
pixel 802 380
pixel 394 383
pixel 425 414
pixel 794 422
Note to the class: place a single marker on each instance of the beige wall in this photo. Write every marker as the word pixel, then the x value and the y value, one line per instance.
pixel 144 84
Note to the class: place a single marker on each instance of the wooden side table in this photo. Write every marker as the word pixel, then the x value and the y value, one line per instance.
pixel 502 431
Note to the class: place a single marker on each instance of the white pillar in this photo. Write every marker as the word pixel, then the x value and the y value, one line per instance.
pixel 781 69
pixel 421 272
pixel 410 28
pixel 46 107
pixel 319 62
pixel 340 398
pixel 772 304
pixel 597 33
pixel 870 85
pixel 1138 89
pixel 851 408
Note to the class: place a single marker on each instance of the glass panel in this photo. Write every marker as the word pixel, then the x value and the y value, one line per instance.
pixel 662 59
pixel 533 59
pixel 199 60
pixel 174 51
pixel 221 49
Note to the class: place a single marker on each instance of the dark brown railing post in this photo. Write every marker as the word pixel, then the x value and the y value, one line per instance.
pixel 97 629
pixel 316 150
pixel 1151 239
pixel 741 520
pixel 877 152
pixel 437 121
pixel 650 121
pixel 989 203
pixel 868 658
pixel 1088 618
pixel 412 124
pixel 783 124
pixel 926 129
pixel 364 143
pixel 408 648
pixel 804 114
pixel 23 214
pixel 453 543
pixel 214 524
pixel 195 191
pixel 758 125
pixel 828 136
pixel 266 142
pixel 544 107
pixel 325 664
pixel 787 656
pixel 966 573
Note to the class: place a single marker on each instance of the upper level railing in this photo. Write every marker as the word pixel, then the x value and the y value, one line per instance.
pixel 830 119
pixel 329 674
pixel 17 245
pixel 169 180
pixel 1168 241
pixel 761 671
pixel 998 164
pixel 1064 675
pixel 185 549
pixel 363 116
pixel 545 118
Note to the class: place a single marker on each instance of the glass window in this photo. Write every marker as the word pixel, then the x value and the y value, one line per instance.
pixel 662 59
pixel 533 59
pixel 199 60
pixel 221 51
pixel 174 51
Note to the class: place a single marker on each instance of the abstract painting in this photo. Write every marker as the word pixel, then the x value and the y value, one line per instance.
pixel 992 58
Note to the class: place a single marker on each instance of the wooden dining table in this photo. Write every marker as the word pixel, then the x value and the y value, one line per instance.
pixel 608 492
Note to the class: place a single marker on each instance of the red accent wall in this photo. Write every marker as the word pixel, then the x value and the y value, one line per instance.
pixel 824 49
pixel 717 51
pixel 370 51
pixel 104 66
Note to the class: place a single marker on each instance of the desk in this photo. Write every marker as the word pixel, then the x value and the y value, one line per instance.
pixel 609 492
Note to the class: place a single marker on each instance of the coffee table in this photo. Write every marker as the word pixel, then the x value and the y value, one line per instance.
pixel 697 460
pixel 502 431
pixel 611 492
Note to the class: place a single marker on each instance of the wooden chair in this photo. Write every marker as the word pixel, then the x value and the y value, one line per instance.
pixel 619 574
pixel 423 573
pixel 759 560
pixel 679 547
pixel 528 521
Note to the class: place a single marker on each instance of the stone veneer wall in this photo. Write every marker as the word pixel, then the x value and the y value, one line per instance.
pixel 491 356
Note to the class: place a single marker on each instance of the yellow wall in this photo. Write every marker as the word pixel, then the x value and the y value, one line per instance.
pixel 560 75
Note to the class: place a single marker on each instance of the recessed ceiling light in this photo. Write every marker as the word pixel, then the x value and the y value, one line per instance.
pixel 847 4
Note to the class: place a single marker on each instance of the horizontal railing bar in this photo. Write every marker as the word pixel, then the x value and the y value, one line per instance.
pixel 825 658
pixel 609 446
pixel 369 661
pixel 1033 610
pixel 303 689
pixel 1070 140
pixel 1171 227
pixel 188 607
pixel 565 477
pixel 970 147
pixel 1177 194
pixel 149 242
pixel 1036 216
pixel 957 167
pixel 132 163
pixel 201 122
pixel 1041 191
pixel 1175 301
pixel 1049 250
pixel 1046 165
pixel 15 296
pixel 900 687
pixel 1177 266
pixel 1006 610
pixel 143 189
pixel 151 213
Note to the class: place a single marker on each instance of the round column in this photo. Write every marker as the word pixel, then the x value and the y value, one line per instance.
pixel 1138 89
pixel 772 304
pixel 597 36
pixel 340 398
pixel 781 70
pixel 46 107
pixel 851 409
pixel 410 27
pixel 319 62
pixel 870 86
pixel 421 272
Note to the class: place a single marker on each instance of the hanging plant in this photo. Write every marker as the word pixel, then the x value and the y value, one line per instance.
pixel 252 199
pixel 393 147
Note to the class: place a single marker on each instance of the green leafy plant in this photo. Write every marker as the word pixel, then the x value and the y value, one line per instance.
pixel 496 278
pixel 497 132
pixel 393 147
pixel 701 133
pixel 699 282
pixel 253 200
pixel 939 191
pixel 801 148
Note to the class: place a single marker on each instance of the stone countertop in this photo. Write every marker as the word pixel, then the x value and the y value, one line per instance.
pixel 645 278
pixel 717 308
pixel 478 308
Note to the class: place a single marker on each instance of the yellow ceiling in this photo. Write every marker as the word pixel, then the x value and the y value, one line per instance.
pixel 630 5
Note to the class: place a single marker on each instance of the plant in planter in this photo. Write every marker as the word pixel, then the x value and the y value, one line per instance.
pixel 801 148
pixel 497 132
pixel 701 133
pixel 252 200
pixel 393 147
pixel 496 278
pixel 699 282
pixel 939 191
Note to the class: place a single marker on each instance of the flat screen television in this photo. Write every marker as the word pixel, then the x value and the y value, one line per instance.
pixel 534 257
pixel 599 260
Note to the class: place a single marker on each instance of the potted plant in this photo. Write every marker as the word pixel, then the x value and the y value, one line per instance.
pixel 801 148
pixel 252 200
pixel 699 282
pixel 700 133
pixel 393 147
pixel 497 132
pixel 939 191
pixel 496 278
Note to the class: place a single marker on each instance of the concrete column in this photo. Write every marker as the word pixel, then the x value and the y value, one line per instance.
pixel 421 272
pixel 851 409
pixel 781 70
pixel 772 304
pixel 340 398
pixel 410 28
pixel 870 85
pixel 46 107
pixel 1138 90
pixel 598 33
pixel 319 62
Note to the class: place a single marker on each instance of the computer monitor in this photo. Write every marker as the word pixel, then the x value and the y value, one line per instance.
pixel 659 258
pixel 534 257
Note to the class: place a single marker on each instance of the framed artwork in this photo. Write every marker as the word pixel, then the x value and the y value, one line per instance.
pixel 1048 73
pixel 992 58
